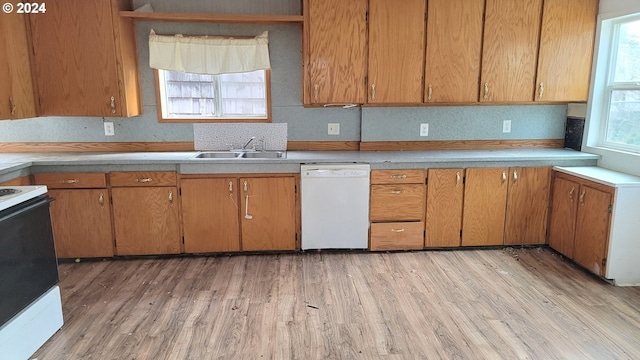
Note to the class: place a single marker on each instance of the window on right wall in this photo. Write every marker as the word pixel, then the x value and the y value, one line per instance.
pixel 621 113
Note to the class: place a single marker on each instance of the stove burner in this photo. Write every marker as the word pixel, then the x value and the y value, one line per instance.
pixel 4 192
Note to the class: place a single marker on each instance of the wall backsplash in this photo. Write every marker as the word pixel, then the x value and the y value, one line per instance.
pixel 303 124
pixel 226 136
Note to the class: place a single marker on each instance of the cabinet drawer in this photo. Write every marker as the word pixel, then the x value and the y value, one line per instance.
pixel 143 178
pixel 397 177
pixel 397 202
pixel 71 180
pixel 397 236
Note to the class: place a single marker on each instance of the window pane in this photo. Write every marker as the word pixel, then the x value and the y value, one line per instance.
pixel 189 94
pixel 627 67
pixel 623 126
pixel 244 94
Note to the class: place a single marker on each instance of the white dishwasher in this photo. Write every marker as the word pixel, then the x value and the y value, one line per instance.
pixel 335 206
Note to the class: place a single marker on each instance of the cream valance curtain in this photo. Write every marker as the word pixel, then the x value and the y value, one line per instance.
pixel 208 54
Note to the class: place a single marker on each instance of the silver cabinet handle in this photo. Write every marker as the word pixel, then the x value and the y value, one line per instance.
pixel 246 186
pixel 101 200
pixel 396 192
pixel 541 90
pixel 429 93
pixel 573 190
pixel 486 91
pixel 315 93
pixel 458 178
pixel 397 230
pixel 230 186
pixel 582 194
pixel 373 91
pixel 402 176
pixel 70 181
pixel 144 180
pixel 515 176
pixel 504 177
pixel 171 197
pixel 113 105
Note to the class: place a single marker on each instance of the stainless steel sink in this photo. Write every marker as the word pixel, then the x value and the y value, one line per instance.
pixel 241 155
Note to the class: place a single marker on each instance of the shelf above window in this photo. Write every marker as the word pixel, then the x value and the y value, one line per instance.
pixel 212 18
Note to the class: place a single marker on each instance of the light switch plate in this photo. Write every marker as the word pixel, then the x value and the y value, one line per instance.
pixel 506 126
pixel 424 129
pixel 333 129
pixel 109 129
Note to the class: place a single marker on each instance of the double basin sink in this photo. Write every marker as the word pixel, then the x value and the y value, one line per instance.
pixel 241 155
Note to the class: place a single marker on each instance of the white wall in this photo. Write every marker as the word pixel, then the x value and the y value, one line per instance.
pixel 611 159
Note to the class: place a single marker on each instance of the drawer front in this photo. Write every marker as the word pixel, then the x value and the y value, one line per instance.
pixel 398 176
pixel 397 202
pixel 142 178
pixel 397 236
pixel 72 180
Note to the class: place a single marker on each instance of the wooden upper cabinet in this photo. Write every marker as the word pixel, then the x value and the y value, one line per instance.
pixel 454 45
pixel 85 59
pixel 510 50
pixel 396 51
pixel 566 50
pixel 335 40
pixel 17 97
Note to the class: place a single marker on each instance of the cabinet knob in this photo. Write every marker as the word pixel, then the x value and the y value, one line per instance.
pixel 486 91
pixel 429 92
pixel 171 197
pixel 315 93
pixel 515 176
pixel 397 230
pixel 113 105
pixel 573 190
pixel 582 194
pixel 373 91
pixel 541 90
pixel 396 192
pixel 401 176
pixel 144 180
pixel 70 181
pixel 101 200
pixel 230 186
pixel 458 178
pixel 504 177
pixel 13 106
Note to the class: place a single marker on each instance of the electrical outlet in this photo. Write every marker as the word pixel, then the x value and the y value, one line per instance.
pixel 424 129
pixel 109 129
pixel 333 129
pixel 506 126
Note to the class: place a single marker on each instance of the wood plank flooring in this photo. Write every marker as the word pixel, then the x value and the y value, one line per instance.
pixel 465 304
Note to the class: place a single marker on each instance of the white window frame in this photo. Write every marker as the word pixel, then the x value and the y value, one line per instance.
pixel 164 117
pixel 610 86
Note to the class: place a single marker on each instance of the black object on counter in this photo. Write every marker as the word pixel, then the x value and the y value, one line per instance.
pixel 573 133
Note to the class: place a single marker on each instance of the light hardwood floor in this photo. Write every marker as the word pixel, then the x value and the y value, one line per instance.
pixel 465 304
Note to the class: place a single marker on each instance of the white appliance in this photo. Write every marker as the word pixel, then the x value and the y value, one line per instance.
pixel 30 303
pixel 335 206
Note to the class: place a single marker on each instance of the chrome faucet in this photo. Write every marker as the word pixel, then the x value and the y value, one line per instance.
pixel 244 147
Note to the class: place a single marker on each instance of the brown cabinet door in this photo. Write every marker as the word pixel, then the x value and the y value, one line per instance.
pixel 562 222
pixel 454 44
pixel 146 220
pixel 210 215
pixel 79 64
pixel 268 213
pixel 566 50
pixel 510 49
pixel 485 199
pixel 336 67
pixel 527 206
pixel 592 229
pixel 396 51
pixel 16 84
pixel 81 222
pixel 445 190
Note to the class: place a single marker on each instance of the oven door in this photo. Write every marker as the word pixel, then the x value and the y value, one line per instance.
pixel 28 264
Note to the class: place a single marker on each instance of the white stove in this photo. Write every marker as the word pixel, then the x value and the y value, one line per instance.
pixel 14 195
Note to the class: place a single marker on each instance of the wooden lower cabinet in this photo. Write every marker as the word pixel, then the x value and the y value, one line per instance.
pixel 485 198
pixel 21 181
pixel 445 191
pixel 580 222
pixel 267 216
pixel 210 215
pixel 397 236
pixel 231 213
pixel 527 206
pixel 146 212
pixel 80 214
